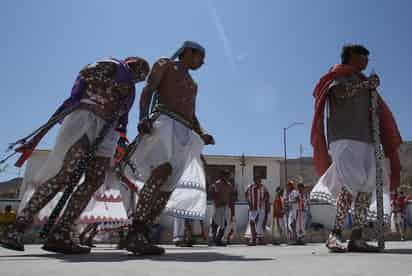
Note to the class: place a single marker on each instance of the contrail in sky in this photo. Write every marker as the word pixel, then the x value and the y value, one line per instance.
pixel 221 32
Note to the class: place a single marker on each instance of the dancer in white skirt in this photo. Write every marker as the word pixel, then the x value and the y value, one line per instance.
pixel 170 142
pixel 188 203
pixel 348 165
pixel 99 105
pixel 301 214
pixel 107 210
pixel 293 212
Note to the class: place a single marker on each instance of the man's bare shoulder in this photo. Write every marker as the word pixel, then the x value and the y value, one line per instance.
pixel 159 69
pixel 106 68
pixel 162 63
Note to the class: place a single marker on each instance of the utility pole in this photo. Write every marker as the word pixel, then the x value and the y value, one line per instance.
pixel 284 149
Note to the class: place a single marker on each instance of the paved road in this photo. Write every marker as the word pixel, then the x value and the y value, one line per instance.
pixel 312 259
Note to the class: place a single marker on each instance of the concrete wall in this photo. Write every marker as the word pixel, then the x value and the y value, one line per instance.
pixel 301 169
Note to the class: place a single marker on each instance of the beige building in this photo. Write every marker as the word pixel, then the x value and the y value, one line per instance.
pixel 243 169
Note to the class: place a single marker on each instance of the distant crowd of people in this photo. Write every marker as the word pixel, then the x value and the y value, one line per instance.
pixel 290 212
pixel 290 215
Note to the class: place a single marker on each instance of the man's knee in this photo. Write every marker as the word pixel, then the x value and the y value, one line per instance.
pixel 100 162
pixel 162 198
pixel 98 166
pixel 95 174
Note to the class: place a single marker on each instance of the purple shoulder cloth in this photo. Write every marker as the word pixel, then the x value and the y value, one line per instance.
pixel 123 75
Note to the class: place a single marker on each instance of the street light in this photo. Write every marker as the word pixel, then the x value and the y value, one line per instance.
pixel 284 148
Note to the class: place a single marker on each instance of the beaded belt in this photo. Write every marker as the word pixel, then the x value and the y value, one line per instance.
pixel 162 109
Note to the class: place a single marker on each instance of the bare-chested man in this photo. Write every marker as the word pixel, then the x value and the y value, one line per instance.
pixel 223 200
pixel 170 140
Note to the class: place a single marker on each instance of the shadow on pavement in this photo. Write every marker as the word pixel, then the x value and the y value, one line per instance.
pixel 122 257
pixel 399 251
pixel 204 257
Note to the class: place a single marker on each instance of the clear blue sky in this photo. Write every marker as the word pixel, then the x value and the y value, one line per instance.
pixel 263 59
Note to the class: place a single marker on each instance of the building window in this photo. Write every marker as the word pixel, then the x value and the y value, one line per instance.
pixel 213 174
pixel 259 171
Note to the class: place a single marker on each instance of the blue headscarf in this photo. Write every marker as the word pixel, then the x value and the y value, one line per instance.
pixel 188 44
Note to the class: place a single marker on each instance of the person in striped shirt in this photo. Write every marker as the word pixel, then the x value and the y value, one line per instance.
pixel 257 196
pixel 301 214
pixel 293 199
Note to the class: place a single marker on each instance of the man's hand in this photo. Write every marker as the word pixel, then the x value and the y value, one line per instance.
pixel 145 126
pixel 121 149
pixel 208 139
pixel 374 81
pixel 123 142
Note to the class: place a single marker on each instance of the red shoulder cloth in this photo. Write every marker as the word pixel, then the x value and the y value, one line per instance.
pixel 390 136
